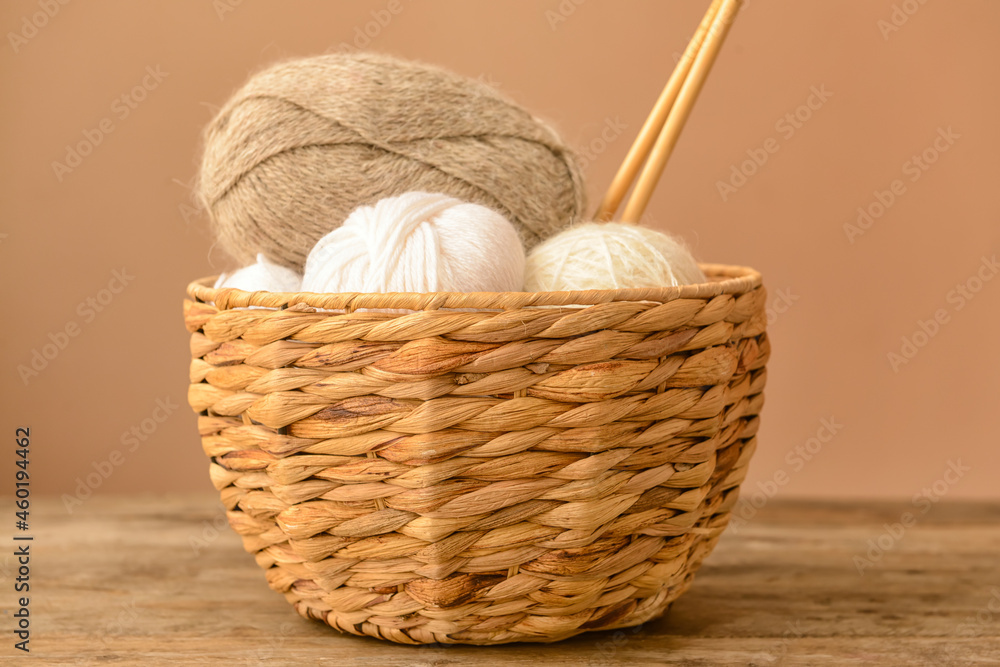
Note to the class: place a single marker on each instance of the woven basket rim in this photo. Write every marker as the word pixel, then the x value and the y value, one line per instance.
pixel 726 279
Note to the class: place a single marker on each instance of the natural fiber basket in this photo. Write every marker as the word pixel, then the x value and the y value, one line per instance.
pixel 480 468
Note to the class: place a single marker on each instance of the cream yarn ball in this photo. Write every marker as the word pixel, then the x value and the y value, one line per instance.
pixel 418 242
pixel 609 255
pixel 263 275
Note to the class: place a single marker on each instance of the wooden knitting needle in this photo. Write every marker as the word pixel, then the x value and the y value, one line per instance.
pixel 654 123
pixel 680 111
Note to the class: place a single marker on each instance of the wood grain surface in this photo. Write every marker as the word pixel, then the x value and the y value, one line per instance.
pixel 157 581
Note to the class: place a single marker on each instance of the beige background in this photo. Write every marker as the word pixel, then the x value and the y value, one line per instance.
pixel 845 305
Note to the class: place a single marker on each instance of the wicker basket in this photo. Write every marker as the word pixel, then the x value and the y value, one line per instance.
pixel 480 468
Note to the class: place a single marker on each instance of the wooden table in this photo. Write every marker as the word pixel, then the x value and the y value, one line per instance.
pixel 146 581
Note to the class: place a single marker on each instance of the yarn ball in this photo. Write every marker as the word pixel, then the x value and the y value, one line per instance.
pixel 263 275
pixel 307 141
pixel 609 255
pixel 418 242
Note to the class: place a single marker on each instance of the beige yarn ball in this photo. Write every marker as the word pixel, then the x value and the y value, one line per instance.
pixel 307 141
pixel 609 255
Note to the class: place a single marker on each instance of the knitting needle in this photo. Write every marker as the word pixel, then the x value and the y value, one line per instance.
pixel 679 113
pixel 651 128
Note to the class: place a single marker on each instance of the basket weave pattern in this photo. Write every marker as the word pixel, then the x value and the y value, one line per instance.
pixel 507 473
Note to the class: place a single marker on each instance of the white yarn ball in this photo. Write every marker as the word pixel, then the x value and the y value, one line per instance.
pixel 262 276
pixel 418 242
pixel 609 255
